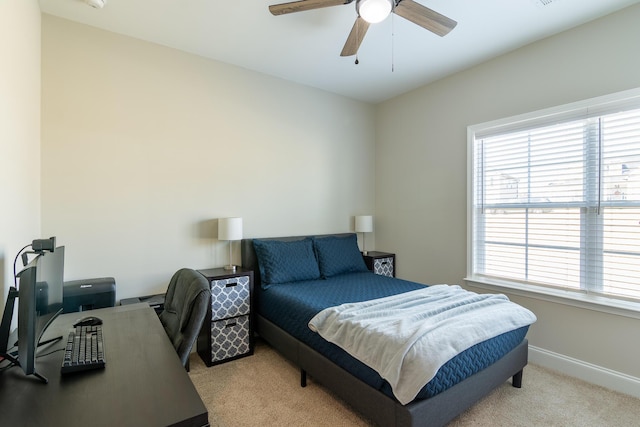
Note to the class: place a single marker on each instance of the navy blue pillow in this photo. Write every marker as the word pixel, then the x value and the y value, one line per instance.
pixel 286 261
pixel 337 255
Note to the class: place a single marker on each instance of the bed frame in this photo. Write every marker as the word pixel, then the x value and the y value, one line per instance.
pixel 373 404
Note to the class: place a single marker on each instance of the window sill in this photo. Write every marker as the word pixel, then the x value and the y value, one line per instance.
pixel 575 299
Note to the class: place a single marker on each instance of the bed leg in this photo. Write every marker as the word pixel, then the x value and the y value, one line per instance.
pixel 303 378
pixel 516 381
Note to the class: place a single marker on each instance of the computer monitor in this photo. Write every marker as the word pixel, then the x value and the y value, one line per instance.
pixel 40 295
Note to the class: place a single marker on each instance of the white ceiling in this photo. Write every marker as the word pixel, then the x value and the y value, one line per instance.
pixel 396 55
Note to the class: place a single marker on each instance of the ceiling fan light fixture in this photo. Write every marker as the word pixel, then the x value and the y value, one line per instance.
pixel 373 11
pixel 96 4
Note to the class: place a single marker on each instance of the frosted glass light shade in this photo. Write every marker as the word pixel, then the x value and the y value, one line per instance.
pixel 373 11
pixel 230 229
pixel 364 224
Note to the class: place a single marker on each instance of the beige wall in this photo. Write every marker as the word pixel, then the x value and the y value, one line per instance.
pixel 144 147
pixel 19 132
pixel 421 163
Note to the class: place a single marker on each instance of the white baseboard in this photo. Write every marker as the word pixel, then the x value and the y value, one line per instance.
pixel 585 371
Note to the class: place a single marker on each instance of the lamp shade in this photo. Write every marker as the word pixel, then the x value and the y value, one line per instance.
pixel 230 229
pixel 364 223
pixel 373 11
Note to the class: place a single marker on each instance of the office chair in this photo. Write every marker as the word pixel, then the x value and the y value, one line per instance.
pixel 185 308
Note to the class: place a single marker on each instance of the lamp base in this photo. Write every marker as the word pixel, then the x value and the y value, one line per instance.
pixel 365 252
pixel 230 267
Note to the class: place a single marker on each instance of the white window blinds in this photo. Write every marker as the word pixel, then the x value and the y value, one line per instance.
pixel 556 200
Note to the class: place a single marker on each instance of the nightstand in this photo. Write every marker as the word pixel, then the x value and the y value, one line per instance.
pixel 382 263
pixel 227 333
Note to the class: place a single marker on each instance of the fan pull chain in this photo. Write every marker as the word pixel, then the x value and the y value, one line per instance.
pixel 357 38
pixel 393 33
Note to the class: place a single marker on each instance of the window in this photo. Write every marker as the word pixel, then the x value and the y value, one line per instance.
pixel 555 198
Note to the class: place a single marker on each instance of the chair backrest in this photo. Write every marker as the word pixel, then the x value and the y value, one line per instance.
pixel 185 308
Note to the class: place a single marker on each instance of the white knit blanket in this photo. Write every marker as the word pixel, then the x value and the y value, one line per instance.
pixel 407 337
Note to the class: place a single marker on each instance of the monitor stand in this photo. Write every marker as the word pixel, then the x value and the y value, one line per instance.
pixel 5 332
pixel 7 316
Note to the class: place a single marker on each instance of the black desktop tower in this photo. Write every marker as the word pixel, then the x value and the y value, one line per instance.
pixel 87 294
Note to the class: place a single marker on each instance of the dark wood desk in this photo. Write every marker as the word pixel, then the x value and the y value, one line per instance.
pixel 143 383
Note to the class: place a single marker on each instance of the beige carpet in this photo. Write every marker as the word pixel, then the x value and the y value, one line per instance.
pixel 264 390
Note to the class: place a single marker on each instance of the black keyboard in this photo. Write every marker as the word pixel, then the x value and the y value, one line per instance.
pixel 84 351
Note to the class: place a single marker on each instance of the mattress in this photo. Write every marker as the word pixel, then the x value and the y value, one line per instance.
pixel 290 306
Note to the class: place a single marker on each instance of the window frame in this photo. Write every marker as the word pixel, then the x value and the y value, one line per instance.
pixel 590 107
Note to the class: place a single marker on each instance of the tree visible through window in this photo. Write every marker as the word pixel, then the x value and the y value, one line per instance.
pixel 555 200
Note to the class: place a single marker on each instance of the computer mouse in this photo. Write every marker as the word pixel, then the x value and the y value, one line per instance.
pixel 88 321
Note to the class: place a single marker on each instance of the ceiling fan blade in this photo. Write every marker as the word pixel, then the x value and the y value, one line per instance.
pixel 425 17
pixel 356 36
pixel 299 6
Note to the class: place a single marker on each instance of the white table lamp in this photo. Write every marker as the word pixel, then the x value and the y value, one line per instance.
pixel 230 229
pixel 364 224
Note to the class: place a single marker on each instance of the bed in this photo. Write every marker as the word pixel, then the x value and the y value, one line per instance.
pixel 290 290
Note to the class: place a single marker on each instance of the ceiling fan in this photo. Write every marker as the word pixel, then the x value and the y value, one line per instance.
pixel 371 12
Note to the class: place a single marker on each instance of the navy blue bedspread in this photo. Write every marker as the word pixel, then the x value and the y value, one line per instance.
pixel 290 306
